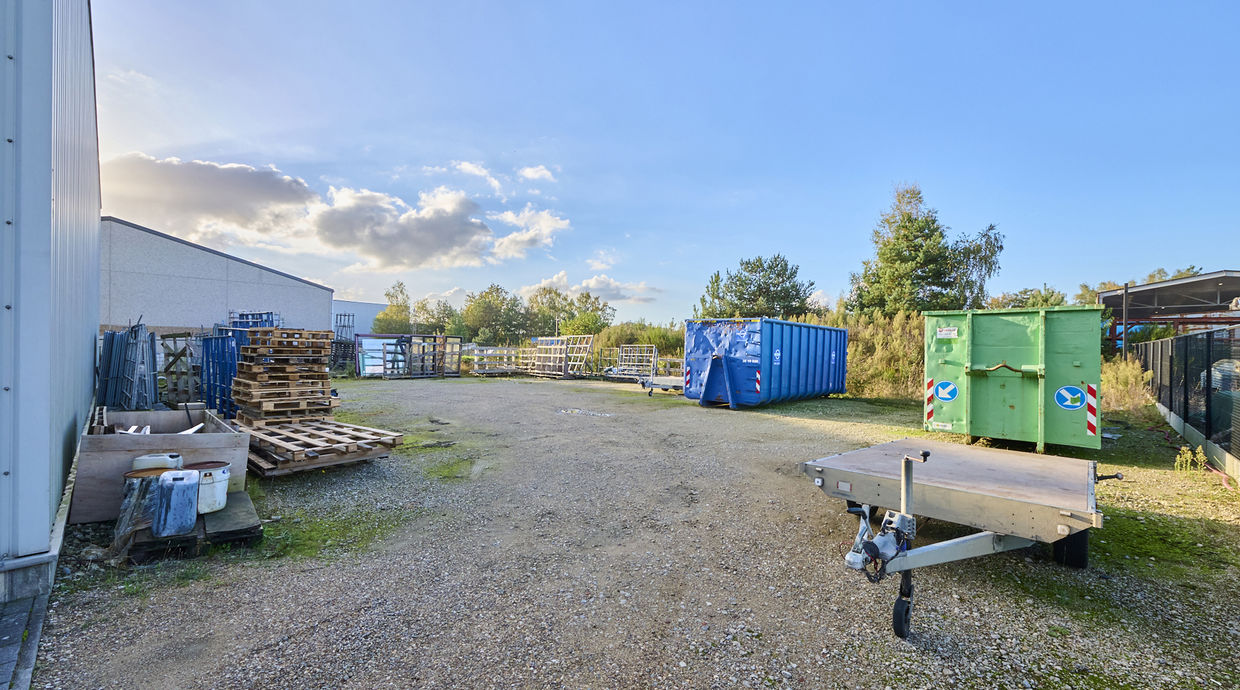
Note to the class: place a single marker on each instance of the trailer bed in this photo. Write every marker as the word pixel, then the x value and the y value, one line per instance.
pixel 1039 497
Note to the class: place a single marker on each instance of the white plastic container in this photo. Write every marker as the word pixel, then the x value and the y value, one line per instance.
pixel 212 485
pixel 151 461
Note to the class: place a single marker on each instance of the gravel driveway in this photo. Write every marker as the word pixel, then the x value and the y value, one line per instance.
pixel 600 538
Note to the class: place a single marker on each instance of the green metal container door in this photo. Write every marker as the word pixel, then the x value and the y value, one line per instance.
pixel 1020 374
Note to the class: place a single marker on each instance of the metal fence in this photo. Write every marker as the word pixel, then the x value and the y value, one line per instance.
pixel 1197 377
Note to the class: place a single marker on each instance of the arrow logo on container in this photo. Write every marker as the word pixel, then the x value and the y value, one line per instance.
pixel 946 391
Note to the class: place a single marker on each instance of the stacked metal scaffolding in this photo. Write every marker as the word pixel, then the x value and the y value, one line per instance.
pixel 408 356
pixel 219 367
pixel 127 369
pixel 636 362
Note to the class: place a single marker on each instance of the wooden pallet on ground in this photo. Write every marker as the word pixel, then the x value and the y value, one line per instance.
pixel 277 449
pixel 309 440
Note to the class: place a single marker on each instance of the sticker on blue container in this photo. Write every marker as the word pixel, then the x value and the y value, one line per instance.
pixel 777 356
pixel 946 391
pixel 1070 398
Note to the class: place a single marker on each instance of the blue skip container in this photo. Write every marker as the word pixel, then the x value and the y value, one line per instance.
pixel 176 504
pixel 751 362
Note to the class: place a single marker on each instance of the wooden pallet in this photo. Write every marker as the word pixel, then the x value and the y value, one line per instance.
pixel 321 403
pixel 290 334
pixel 244 396
pixel 249 384
pixel 310 440
pixel 264 465
pixel 279 376
pixel 257 419
pixel 279 368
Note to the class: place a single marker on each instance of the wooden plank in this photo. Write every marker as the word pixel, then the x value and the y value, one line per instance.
pixel 276 468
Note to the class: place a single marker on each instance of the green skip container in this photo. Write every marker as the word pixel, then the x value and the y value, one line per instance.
pixel 1020 374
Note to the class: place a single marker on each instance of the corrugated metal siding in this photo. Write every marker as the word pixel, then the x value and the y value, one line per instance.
pixel 48 257
pixel 199 286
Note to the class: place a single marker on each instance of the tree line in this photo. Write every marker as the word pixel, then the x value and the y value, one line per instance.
pixel 496 316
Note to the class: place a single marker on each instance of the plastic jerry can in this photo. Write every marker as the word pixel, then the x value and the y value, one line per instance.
pixel 176 509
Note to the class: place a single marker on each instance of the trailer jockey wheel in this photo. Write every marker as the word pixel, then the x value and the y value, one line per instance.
pixel 902 613
pixel 902 617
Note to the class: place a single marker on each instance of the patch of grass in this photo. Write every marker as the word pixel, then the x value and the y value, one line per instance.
pixel 302 535
pixel 450 470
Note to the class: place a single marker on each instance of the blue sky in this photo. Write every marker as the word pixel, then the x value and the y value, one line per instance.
pixel 361 143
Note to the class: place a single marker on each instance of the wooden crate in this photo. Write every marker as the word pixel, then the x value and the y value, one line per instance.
pixel 103 459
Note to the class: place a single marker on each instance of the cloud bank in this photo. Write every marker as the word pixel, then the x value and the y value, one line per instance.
pixel 600 285
pixel 222 204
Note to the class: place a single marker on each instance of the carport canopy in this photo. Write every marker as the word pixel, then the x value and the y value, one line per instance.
pixel 1202 294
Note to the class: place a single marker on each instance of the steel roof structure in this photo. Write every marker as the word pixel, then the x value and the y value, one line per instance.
pixel 1201 294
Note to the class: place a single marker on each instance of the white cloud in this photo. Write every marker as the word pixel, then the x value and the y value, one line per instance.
pixel 558 281
pixel 455 297
pixel 601 286
pixel 820 298
pixel 538 229
pixel 224 205
pixel 536 172
pixel 602 260
pixel 439 233
pixel 477 170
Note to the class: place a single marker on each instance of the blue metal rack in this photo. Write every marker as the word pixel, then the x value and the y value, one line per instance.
pixel 219 367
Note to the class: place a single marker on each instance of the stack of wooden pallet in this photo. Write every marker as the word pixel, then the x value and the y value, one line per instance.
pixel 283 393
pixel 282 377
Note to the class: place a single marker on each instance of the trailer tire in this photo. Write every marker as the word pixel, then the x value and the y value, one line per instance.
pixel 1072 550
pixel 902 618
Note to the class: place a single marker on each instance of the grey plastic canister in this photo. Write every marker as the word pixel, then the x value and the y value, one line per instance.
pixel 176 508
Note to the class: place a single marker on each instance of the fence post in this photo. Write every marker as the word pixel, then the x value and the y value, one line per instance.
pixel 1184 392
pixel 1209 385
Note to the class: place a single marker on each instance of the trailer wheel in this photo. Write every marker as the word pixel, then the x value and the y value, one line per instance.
pixel 650 393
pixel 1072 550
pixel 902 618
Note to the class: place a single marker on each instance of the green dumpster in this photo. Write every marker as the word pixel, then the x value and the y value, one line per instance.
pixel 1020 374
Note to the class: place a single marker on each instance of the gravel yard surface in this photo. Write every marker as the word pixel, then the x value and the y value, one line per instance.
pixel 537 533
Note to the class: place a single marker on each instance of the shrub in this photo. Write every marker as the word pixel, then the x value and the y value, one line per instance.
pixel 1124 385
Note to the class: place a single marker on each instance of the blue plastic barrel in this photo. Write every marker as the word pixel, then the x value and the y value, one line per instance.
pixel 176 508
pixel 750 362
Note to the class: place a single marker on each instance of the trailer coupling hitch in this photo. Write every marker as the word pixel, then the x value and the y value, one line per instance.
pixel 1117 475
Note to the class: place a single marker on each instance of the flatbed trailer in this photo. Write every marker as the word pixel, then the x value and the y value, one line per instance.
pixel 1014 498
pixel 663 383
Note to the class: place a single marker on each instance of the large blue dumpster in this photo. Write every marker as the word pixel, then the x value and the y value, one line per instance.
pixel 749 362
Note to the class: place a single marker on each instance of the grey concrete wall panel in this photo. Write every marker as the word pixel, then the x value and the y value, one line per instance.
pixel 174 284
pixel 49 260
pixel 364 313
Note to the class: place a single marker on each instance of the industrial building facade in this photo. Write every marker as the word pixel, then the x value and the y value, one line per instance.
pixel 49 274
pixel 175 285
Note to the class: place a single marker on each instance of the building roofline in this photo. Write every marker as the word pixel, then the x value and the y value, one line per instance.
pixel 217 252
pixel 1169 283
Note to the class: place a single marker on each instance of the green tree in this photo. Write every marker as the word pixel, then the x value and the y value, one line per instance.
pixel 759 287
pixel 585 323
pixel 1045 296
pixel 915 268
pixel 395 318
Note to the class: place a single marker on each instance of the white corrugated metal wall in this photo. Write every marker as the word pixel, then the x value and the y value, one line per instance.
pixel 49 259
pixel 197 286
